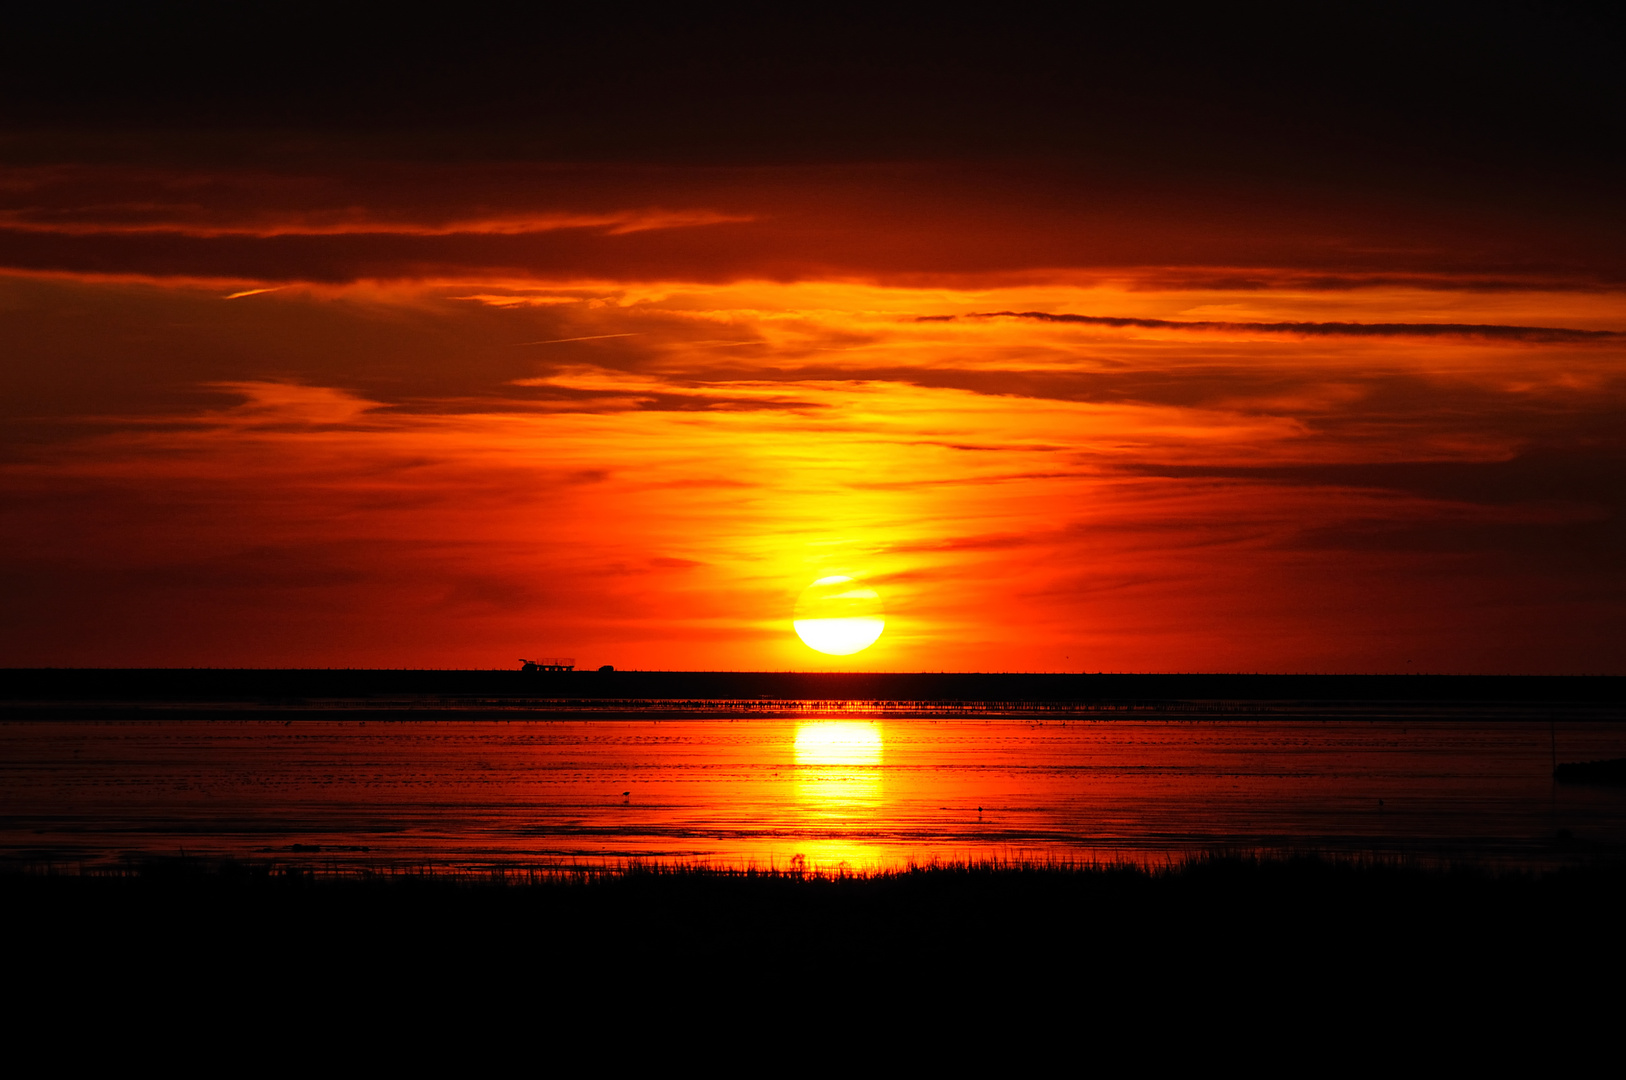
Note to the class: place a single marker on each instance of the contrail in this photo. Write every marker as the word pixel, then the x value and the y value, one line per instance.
pixel 589 337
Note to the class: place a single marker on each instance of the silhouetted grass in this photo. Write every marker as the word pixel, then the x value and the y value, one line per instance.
pixel 1293 936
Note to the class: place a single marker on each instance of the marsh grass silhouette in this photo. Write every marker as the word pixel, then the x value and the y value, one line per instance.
pixel 1307 919
pixel 985 962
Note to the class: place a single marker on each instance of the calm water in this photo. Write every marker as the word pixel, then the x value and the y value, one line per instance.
pixel 867 791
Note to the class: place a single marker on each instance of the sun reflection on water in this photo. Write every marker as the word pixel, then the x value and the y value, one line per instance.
pixel 838 771
pixel 838 742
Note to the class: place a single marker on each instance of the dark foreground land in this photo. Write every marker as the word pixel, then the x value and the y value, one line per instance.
pixel 1293 944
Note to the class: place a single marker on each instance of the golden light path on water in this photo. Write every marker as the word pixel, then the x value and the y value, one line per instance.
pixel 830 789
pixel 838 789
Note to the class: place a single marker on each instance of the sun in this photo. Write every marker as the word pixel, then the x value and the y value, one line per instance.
pixel 838 616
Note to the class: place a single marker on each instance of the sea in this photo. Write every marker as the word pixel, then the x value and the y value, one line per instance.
pixel 412 784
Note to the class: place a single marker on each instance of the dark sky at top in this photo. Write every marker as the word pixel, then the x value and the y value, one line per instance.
pixel 1465 93
pixel 1494 135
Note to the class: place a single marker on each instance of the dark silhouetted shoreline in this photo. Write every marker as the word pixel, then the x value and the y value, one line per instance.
pixel 1608 773
pixel 283 685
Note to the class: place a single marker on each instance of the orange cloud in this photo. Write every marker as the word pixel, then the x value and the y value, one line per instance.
pixel 647 476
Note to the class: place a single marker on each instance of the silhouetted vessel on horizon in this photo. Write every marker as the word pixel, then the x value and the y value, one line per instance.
pixel 549 663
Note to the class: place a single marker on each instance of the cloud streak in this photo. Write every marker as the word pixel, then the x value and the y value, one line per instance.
pixel 1491 331
pixel 329 214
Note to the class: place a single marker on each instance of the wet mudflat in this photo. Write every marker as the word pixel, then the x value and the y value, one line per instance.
pixel 851 788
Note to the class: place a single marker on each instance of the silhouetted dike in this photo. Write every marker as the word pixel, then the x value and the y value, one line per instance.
pixel 208 684
pixel 1607 773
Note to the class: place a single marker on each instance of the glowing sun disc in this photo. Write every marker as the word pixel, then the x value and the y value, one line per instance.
pixel 838 616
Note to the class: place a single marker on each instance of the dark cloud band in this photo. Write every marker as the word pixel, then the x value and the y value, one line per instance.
pixel 1311 329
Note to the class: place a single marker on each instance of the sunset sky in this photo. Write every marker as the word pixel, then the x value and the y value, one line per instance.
pixel 1095 344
